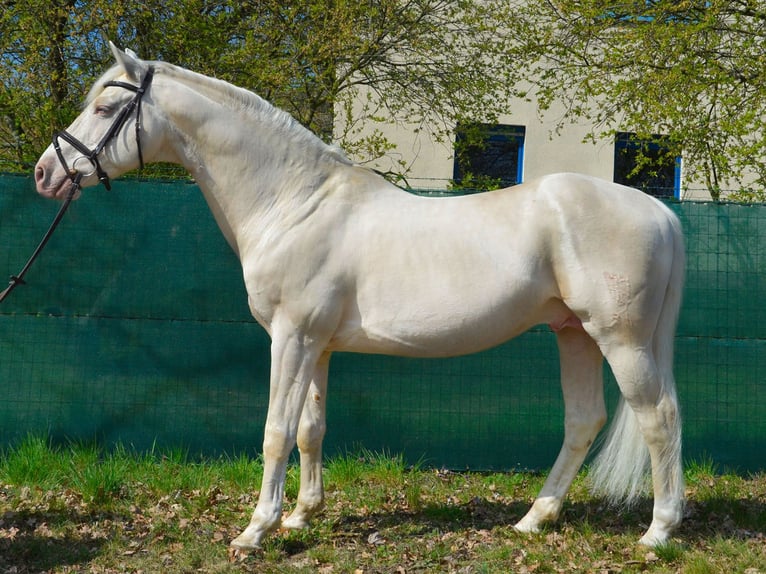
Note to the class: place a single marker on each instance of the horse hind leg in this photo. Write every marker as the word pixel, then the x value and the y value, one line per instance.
pixel 585 414
pixel 649 419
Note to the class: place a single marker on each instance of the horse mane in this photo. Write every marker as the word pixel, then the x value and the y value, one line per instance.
pixel 238 99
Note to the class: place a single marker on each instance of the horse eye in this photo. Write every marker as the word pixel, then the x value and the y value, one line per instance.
pixel 103 110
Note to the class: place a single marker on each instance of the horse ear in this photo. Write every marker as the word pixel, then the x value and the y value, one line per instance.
pixel 133 66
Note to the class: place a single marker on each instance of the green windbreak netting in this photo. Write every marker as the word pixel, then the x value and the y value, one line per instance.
pixel 134 328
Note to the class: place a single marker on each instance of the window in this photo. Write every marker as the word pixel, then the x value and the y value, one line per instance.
pixel 657 10
pixel 488 156
pixel 647 165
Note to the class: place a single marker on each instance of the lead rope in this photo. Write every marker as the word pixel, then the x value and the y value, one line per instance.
pixel 19 279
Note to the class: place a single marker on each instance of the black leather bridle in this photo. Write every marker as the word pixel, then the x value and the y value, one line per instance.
pixel 92 156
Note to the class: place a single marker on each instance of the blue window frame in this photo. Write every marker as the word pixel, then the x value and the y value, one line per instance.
pixel 489 153
pixel 647 165
pixel 666 12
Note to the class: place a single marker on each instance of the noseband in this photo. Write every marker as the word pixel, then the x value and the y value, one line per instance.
pixel 92 154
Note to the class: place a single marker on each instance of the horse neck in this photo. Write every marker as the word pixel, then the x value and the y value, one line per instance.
pixel 256 166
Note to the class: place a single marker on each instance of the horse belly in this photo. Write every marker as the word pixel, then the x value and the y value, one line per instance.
pixel 439 324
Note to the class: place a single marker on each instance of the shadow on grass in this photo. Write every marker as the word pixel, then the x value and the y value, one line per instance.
pixel 482 514
pixel 711 519
pixel 725 517
pixel 29 542
pixel 477 514
pixel 704 520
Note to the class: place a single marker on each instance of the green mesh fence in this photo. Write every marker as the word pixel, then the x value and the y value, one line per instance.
pixel 134 328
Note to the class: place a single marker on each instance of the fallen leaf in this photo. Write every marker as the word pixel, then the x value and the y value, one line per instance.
pixel 375 539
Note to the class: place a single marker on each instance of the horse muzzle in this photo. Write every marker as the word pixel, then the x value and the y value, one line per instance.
pixel 53 181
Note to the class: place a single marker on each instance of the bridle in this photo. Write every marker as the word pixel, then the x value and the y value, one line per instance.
pixel 92 156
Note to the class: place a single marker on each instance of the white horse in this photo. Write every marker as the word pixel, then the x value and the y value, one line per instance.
pixel 335 258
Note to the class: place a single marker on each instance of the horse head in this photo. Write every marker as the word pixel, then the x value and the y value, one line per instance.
pixel 99 144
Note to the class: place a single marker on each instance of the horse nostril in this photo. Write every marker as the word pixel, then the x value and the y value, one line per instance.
pixel 39 174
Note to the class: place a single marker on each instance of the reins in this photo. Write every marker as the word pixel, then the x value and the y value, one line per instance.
pixel 92 156
pixel 19 279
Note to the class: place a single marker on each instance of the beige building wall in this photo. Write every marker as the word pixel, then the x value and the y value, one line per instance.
pixel 546 150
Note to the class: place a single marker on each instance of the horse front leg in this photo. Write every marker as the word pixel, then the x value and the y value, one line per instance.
pixel 585 414
pixel 310 435
pixel 293 364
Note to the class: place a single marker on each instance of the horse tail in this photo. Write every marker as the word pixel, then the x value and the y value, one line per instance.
pixel 619 471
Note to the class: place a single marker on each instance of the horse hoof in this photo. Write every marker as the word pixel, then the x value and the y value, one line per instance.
pixel 240 544
pixel 250 539
pixel 526 527
pixel 653 539
pixel 293 522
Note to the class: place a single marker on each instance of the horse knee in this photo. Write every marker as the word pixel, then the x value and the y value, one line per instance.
pixel 312 427
pixel 277 443
pixel 310 436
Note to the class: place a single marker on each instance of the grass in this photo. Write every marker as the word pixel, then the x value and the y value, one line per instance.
pixel 79 508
